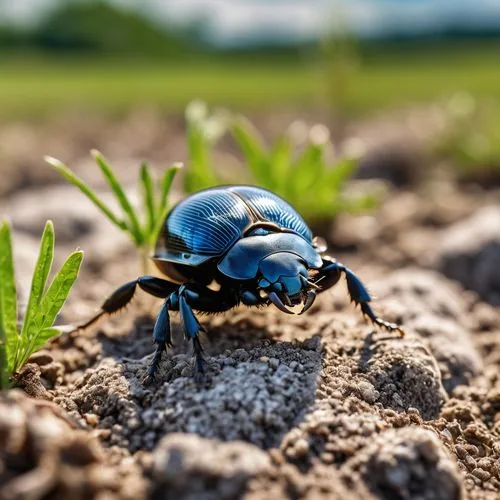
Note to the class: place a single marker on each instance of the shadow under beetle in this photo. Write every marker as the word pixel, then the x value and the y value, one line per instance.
pixel 250 242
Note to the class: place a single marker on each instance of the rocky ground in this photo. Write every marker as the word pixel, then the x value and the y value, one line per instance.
pixel 316 406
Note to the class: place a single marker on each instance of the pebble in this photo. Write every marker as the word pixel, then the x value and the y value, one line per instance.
pixel 92 419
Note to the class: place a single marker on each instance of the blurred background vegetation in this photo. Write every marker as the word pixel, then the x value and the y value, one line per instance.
pixel 116 55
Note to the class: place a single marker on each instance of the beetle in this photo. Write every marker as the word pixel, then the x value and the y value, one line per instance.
pixel 250 243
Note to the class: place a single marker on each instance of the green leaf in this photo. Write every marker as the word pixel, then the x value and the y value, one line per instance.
pixel 8 306
pixel 253 151
pixel 166 184
pixel 281 161
pixel 133 222
pixel 148 195
pixel 42 337
pixel 308 166
pixel 86 190
pixel 341 172
pixel 39 281
pixel 50 306
pixel 58 291
pixel 200 174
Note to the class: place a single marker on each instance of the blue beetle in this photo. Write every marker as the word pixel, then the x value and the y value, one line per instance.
pixel 253 245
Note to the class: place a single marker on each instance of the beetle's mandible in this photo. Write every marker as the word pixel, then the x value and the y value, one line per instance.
pixel 254 245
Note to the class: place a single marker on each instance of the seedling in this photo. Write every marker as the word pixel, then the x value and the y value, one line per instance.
pixel 17 344
pixel 143 225
pixel 306 179
pixel 315 187
pixel 203 130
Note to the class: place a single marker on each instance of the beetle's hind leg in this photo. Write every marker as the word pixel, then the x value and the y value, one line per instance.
pixel 123 295
pixel 329 274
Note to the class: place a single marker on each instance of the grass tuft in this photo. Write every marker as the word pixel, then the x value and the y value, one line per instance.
pixel 144 225
pixel 44 303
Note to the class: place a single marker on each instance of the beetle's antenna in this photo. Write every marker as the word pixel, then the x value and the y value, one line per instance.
pixel 308 283
pixel 313 285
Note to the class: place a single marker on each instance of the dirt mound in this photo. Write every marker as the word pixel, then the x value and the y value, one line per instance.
pixel 44 455
pixel 304 399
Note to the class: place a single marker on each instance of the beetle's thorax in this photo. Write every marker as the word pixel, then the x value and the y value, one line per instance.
pixel 242 261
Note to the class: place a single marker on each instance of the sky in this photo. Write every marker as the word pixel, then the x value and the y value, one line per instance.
pixel 238 22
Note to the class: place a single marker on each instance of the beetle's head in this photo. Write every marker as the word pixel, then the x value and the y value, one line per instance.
pixel 283 277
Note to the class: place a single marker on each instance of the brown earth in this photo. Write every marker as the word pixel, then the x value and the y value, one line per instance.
pixel 316 406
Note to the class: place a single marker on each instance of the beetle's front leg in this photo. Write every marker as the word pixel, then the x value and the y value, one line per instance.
pixel 193 296
pixel 161 337
pixel 330 273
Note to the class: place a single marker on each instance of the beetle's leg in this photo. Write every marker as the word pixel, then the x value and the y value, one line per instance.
pixel 194 296
pixel 123 295
pixel 161 337
pixel 192 327
pixel 330 273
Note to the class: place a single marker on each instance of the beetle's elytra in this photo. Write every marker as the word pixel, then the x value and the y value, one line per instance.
pixel 249 241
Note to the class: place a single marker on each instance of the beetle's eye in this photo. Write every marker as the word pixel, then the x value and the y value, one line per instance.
pixel 185 256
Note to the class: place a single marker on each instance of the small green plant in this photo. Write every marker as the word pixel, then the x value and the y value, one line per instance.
pixel 143 230
pixel 17 344
pixel 203 130
pixel 298 172
pixel 312 184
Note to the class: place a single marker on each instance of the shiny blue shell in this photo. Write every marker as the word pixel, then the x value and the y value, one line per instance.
pixel 208 223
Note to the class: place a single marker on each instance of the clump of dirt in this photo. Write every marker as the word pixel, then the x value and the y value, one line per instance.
pixel 406 463
pixel 221 470
pixel 254 394
pixel 434 309
pixel 43 455
pixel 469 252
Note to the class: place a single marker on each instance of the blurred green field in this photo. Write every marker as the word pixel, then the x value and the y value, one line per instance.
pixel 35 87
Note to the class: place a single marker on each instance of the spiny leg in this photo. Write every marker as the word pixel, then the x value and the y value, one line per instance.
pixel 184 299
pixel 123 295
pixel 162 338
pixel 192 328
pixel 194 296
pixel 329 274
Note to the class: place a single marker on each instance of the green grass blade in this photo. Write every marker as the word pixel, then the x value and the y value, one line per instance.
pixel 42 337
pixel 148 196
pixel 50 305
pixel 60 167
pixel 4 367
pixel 200 174
pixel 133 221
pixel 8 305
pixel 281 160
pixel 58 291
pixel 166 185
pixel 341 172
pixel 253 151
pixel 39 281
